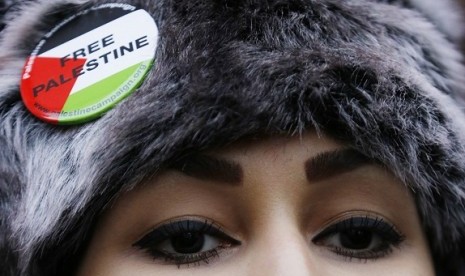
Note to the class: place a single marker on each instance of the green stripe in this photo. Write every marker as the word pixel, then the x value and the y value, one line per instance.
pixel 99 93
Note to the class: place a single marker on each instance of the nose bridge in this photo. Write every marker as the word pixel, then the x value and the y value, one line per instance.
pixel 282 250
pixel 278 244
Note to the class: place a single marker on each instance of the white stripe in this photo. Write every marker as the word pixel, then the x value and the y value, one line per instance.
pixel 125 29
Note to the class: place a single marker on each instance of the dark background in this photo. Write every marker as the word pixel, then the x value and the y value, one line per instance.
pixel 4 4
pixel 462 2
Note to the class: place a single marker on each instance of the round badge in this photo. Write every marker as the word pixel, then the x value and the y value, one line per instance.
pixel 88 63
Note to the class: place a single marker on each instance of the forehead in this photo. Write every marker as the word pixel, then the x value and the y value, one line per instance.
pixel 274 173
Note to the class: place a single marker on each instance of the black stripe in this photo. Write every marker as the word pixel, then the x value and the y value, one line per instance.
pixel 81 25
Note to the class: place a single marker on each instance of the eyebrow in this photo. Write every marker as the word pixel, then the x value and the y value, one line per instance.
pixel 210 168
pixel 331 163
pixel 322 166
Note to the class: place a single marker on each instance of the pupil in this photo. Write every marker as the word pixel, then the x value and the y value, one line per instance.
pixel 188 243
pixel 356 238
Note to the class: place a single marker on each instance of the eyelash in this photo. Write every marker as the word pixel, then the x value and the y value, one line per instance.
pixel 166 233
pixel 388 237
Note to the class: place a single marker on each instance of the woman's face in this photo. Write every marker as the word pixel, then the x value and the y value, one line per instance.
pixel 278 206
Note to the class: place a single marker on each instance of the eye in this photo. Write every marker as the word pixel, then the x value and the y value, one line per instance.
pixel 361 238
pixel 186 242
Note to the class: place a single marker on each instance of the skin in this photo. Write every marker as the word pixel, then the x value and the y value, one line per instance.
pixel 275 212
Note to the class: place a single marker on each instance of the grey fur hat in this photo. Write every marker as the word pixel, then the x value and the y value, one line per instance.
pixel 384 77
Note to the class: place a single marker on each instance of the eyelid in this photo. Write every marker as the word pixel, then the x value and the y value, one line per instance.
pixel 384 234
pixel 167 229
pixel 214 223
pixel 354 213
pixel 151 244
pixel 377 223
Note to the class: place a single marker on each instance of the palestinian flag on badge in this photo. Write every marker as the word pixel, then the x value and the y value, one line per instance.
pixel 88 63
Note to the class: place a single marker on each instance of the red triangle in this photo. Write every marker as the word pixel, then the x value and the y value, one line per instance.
pixel 46 88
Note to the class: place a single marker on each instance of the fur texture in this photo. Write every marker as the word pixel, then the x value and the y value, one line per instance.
pixel 381 76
